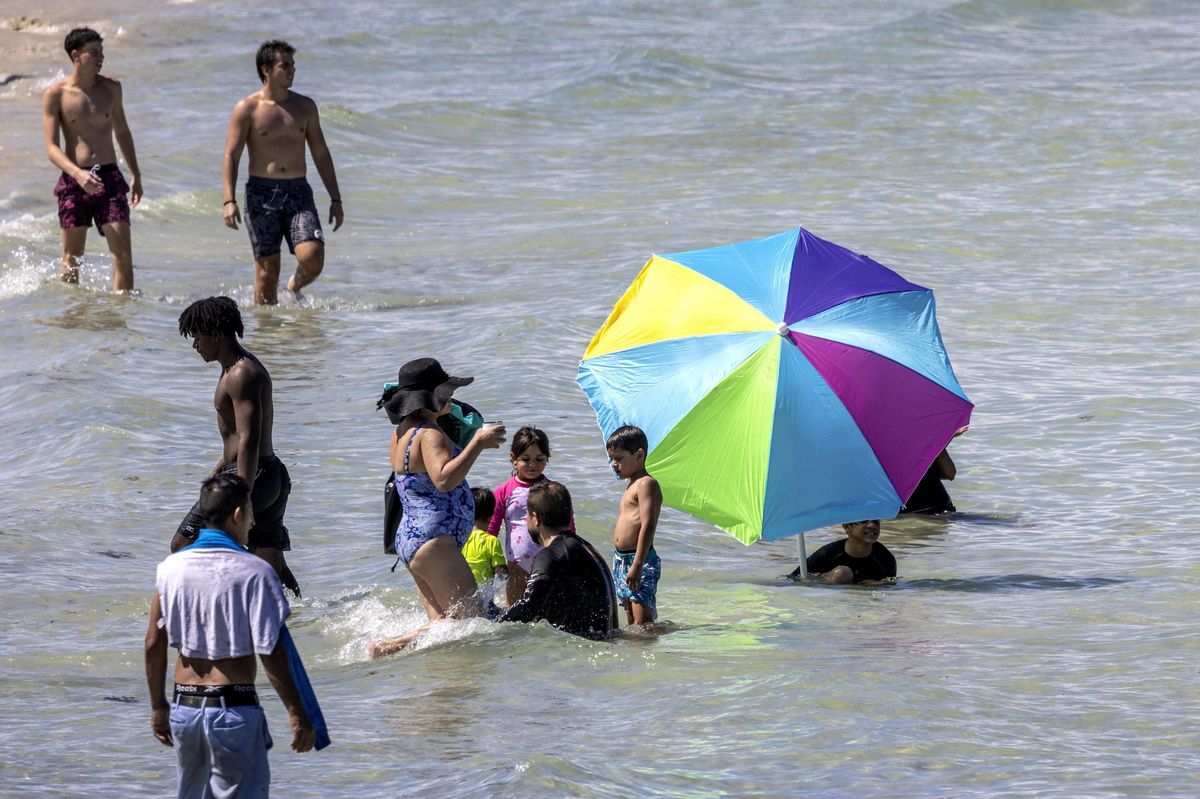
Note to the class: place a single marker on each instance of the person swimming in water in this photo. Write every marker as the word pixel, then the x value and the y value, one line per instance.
pixel 857 558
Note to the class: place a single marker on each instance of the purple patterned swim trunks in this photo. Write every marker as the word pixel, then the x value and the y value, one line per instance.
pixel 78 208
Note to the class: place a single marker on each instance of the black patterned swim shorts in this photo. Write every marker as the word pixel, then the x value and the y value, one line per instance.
pixel 280 209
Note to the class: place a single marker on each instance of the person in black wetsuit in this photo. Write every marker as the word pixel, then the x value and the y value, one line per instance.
pixel 569 585
pixel 930 497
pixel 857 558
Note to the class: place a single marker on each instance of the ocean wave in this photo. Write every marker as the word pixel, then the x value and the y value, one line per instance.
pixel 24 274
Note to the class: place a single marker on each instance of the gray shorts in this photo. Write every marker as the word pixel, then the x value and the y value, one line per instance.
pixel 221 751
pixel 280 209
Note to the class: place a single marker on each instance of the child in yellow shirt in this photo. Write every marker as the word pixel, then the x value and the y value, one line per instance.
pixel 483 552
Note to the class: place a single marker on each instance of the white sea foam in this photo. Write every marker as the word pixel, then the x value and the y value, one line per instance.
pixel 24 274
pixel 361 622
pixel 28 226
pixel 41 84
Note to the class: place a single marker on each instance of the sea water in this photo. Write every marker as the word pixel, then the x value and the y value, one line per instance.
pixel 506 169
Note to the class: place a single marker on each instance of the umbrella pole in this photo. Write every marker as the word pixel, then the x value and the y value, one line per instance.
pixel 803 557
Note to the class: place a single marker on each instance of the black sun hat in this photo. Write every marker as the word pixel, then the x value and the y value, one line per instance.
pixel 422 383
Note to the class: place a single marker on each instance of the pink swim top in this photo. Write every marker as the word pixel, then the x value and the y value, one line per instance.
pixel 512 499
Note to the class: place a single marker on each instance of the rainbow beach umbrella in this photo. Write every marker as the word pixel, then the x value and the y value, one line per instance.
pixel 784 384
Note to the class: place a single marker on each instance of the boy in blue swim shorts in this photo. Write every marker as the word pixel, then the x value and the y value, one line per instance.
pixel 636 566
pixel 645 597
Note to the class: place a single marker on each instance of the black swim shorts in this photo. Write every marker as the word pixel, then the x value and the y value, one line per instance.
pixel 269 498
pixel 280 209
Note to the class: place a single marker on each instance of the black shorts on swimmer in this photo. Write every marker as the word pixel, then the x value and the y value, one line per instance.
pixel 280 210
pixel 272 487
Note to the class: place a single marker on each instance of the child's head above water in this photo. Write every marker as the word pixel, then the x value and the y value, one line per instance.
pixel 865 532
pixel 485 506
pixel 627 447
pixel 529 454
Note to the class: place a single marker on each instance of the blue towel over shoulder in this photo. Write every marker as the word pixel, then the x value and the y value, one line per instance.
pixel 308 698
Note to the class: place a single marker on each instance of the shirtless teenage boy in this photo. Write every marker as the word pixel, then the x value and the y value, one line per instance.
pixel 245 418
pixel 274 124
pixel 87 111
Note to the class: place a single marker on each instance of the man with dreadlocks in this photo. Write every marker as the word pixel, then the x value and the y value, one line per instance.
pixel 245 413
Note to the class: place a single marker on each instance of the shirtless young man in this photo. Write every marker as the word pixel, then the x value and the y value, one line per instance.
pixel 275 123
pixel 245 416
pixel 87 111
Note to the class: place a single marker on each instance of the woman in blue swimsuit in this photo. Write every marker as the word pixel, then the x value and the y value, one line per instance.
pixel 439 510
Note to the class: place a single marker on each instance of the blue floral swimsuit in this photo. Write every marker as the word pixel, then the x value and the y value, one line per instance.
pixel 428 512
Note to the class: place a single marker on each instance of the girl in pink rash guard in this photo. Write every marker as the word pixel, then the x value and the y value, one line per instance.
pixel 529 454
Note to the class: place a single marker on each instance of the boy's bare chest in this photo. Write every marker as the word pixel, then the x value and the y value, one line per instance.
pixel 630 511
pixel 87 109
pixel 279 124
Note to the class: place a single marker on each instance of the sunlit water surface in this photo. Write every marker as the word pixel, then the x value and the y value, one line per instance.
pixel 506 170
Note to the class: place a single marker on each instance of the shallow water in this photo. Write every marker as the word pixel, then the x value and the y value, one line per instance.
pixel 506 171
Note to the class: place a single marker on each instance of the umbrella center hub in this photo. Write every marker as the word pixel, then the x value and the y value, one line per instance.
pixel 783 329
